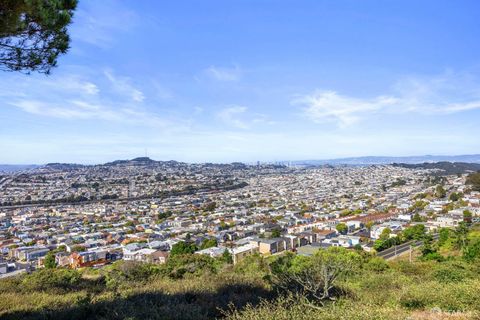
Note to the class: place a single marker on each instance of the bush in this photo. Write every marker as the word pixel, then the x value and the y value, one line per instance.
pixel 472 251
pixel 447 275
pixel 253 265
pixel 196 264
pixel 433 256
pixel 417 269
pixel 412 302
pixel 453 271
pixel 183 247
pixel 51 279
pixel 377 264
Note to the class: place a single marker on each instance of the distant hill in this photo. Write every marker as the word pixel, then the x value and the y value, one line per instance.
pixel 15 167
pixel 370 160
pixel 446 167
pixel 64 166
pixel 354 161
pixel 140 161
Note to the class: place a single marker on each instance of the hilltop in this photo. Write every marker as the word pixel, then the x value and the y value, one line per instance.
pixel 446 168
pixel 373 160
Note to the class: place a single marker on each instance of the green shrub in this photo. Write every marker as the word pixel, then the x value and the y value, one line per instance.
pixel 377 264
pixel 433 256
pixel 253 265
pixel 195 264
pixel 48 279
pixel 412 302
pixel 452 271
pixel 445 275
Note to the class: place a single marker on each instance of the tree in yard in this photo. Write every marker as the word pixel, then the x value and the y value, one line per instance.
pixel 275 233
pixel 440 192
pixel 208 243
pixel 49 261
pixel 227 257
pixel 455 196
pixel 417 218
pixel 342 228
pixel 416 232
pixel 183 247
pixel 33 33
pixel 369 226
pixel 385 234
pixel 78 248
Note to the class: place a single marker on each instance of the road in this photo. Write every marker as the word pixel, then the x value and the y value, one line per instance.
pixel 395 251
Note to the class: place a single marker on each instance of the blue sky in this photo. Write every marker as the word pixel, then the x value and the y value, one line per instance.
pixel 248 80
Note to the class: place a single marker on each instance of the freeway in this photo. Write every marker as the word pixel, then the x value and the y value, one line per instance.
pixel 395 251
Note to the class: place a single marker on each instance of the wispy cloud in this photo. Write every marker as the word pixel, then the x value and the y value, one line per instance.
pixel 123 86
pixel 231 116
pixel 109 98
pixel 224 74
pixel 81 110
pixel 445 94
pixel 238 117
pixel 323 106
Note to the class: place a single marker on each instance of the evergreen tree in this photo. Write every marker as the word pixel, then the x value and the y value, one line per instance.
pixel 33 33
pixel 49 261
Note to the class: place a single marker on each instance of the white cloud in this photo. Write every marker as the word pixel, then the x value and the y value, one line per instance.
pixel 445 94
pixel 75 97
pixel 231 116
pixel 81 110
pixel 122 85
pixel 75 84
pixel 224 74
pixel 330 106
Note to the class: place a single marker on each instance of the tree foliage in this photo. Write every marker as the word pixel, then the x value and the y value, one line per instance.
pixel 33 33
pixel 275 233
pixel 227 257
pixel 52 279
pixel 208 243
pixel 49 261
pixel 316 276
pixel 474 180
pixel 342 228
pixel 183 247
pixel 472 251
pixel 440 192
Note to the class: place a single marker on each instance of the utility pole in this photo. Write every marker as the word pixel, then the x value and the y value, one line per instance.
pixel 410 253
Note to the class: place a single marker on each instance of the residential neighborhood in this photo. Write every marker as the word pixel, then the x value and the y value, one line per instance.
pixel 138 210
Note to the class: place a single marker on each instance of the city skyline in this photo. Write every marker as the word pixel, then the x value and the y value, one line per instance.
pixel 273 81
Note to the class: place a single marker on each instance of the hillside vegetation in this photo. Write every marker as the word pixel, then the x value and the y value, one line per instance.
pixel 332 284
